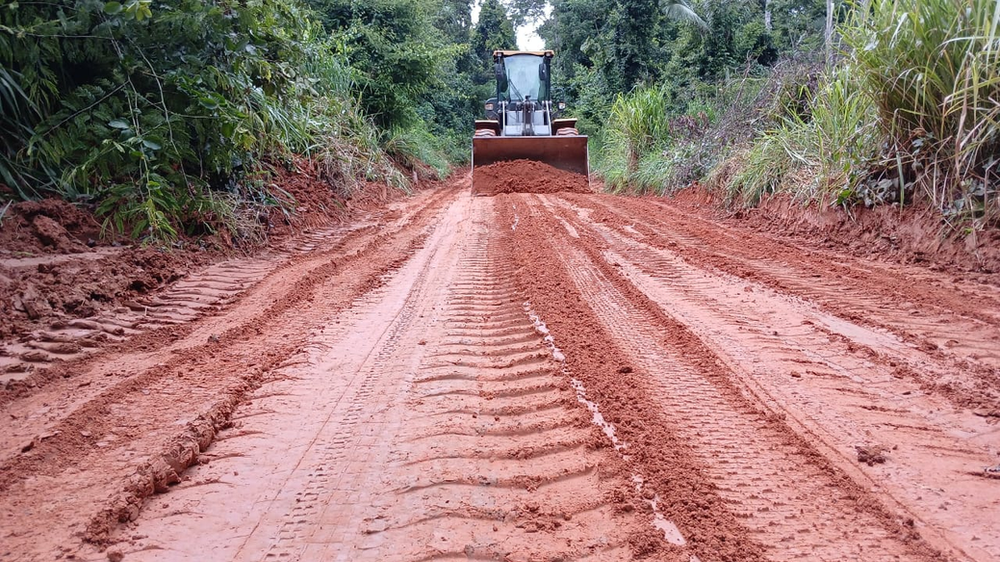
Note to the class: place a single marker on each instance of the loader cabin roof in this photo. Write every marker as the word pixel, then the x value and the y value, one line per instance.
pixel 546 53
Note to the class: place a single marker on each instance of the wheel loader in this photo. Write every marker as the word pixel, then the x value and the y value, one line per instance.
pixel 522 122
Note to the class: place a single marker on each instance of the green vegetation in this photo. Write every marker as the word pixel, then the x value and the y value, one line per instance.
pixel 904 116
pixel 932 70
pixel 874 102
pixel 164 118
pixel 168 116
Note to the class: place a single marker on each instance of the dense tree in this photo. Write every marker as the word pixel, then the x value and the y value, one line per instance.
pixel 145 109
pixel 631 52
pixel 494 31
pixel 522 12
pixel 160 113
pixel 628 42
pixel 394 49
pixel 454 20
pixel 451 108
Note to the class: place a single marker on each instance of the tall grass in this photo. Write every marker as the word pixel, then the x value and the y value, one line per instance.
pixel 815 154
pixel 417 149
pixel 911 112
pixel 637 126
pixel 932 68
pixel 654 143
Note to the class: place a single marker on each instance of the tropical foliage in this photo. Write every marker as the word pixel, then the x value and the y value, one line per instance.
pixel 166 115
pixel 874 102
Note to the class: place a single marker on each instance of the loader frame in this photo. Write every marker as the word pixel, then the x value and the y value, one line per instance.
pixel 519 127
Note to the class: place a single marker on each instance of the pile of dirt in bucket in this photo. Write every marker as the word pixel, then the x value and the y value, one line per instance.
pixel 526 176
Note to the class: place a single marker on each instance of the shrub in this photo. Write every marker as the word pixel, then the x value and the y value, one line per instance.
pixel 637 126
pixel 813 154
pixel 910 112
pixel 161 114
pixel 932 68
pixel 416 148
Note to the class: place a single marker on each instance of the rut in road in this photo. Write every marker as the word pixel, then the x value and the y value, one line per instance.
pixel 431 421
pixel 105 432
pixel 953 322
pixel 840 394
pixel 834 380
pixel 781 490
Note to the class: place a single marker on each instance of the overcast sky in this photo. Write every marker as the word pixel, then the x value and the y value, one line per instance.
pixel 527 39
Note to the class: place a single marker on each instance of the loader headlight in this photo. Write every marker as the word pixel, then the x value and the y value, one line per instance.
pixel 489 107
pixel 562 105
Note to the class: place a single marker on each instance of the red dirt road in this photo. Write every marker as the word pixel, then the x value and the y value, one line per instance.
pixel 558 376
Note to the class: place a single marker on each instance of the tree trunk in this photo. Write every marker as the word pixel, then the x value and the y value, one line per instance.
pixel 767 15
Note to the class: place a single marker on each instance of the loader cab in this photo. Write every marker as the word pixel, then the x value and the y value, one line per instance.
pixel 523 97
pixel 523 76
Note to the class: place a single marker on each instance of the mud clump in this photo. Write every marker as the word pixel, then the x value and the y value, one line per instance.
pixel 50 290
pixel 49 226
pixel 870 454
pixel 53 234
pixel 526 176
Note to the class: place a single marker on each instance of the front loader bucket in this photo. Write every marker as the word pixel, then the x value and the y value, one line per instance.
pixel 565 152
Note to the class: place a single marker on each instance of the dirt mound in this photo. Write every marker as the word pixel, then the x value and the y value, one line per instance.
pixel 314 197
pixel 526 176
pixel 910 235
pixel 49 226
pixel 54 264
pixel 35 291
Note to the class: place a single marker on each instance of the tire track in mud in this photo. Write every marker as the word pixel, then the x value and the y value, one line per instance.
pixel 783 493
pixel 97 461
pixel 652 447
pixel 76 383
pixel 949 327
pixel 56 353
pixel 794 358
pixel 500 462
pixel 431 422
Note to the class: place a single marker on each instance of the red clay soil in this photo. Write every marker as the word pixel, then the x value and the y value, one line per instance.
pixel 55 265
pixel 839 286
pixel 593 356
pixel 913 234
pixel 526 176
pixel 608 368
pixel 46 227
pixel 523 377
pixel 200 382
pixel 313 201
pixel 31 296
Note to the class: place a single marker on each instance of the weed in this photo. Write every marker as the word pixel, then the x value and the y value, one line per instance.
pixel 932 69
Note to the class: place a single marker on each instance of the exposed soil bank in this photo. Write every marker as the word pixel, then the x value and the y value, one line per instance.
pixel 526 176
pixel 56 266
pixel 908 235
